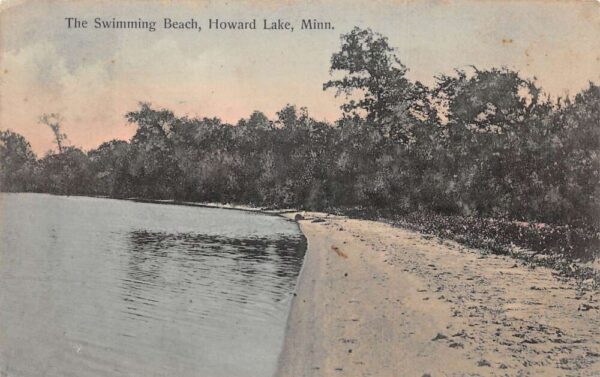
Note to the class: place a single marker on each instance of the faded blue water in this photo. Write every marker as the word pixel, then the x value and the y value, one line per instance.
pixel 100 287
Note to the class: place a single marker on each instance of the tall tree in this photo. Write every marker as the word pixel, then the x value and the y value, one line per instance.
pixel 152 156
pixel 375 83
pixel 17 161
pixel 54 121
pixel 65 173
pixel 491 100
pixel 110 167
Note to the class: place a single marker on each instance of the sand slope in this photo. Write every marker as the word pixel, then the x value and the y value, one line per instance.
pixel 374 300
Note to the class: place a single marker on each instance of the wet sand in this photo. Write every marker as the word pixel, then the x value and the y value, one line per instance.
pixel 374 300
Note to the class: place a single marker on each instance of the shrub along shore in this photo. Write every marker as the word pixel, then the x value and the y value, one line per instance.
pixel 571 251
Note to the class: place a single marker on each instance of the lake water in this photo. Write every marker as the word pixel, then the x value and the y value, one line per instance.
pixel 100 287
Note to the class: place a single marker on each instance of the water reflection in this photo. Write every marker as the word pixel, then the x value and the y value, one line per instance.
pixel 222 273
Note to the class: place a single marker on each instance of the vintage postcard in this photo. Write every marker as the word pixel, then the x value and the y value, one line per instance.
pixel 338 188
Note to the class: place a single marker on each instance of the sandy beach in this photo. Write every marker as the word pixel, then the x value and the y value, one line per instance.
pixel 375 300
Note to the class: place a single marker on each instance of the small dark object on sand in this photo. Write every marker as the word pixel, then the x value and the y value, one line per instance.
pixel 338 251
pixel 483 363
pixel 585 307
pixel 298 217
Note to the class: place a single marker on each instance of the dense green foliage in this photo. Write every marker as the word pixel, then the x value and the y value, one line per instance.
pixel 484 143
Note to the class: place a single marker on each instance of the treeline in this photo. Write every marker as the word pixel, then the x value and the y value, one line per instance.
pixel 485 143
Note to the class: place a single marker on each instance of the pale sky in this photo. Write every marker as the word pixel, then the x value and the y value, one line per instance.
pixel 93 77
